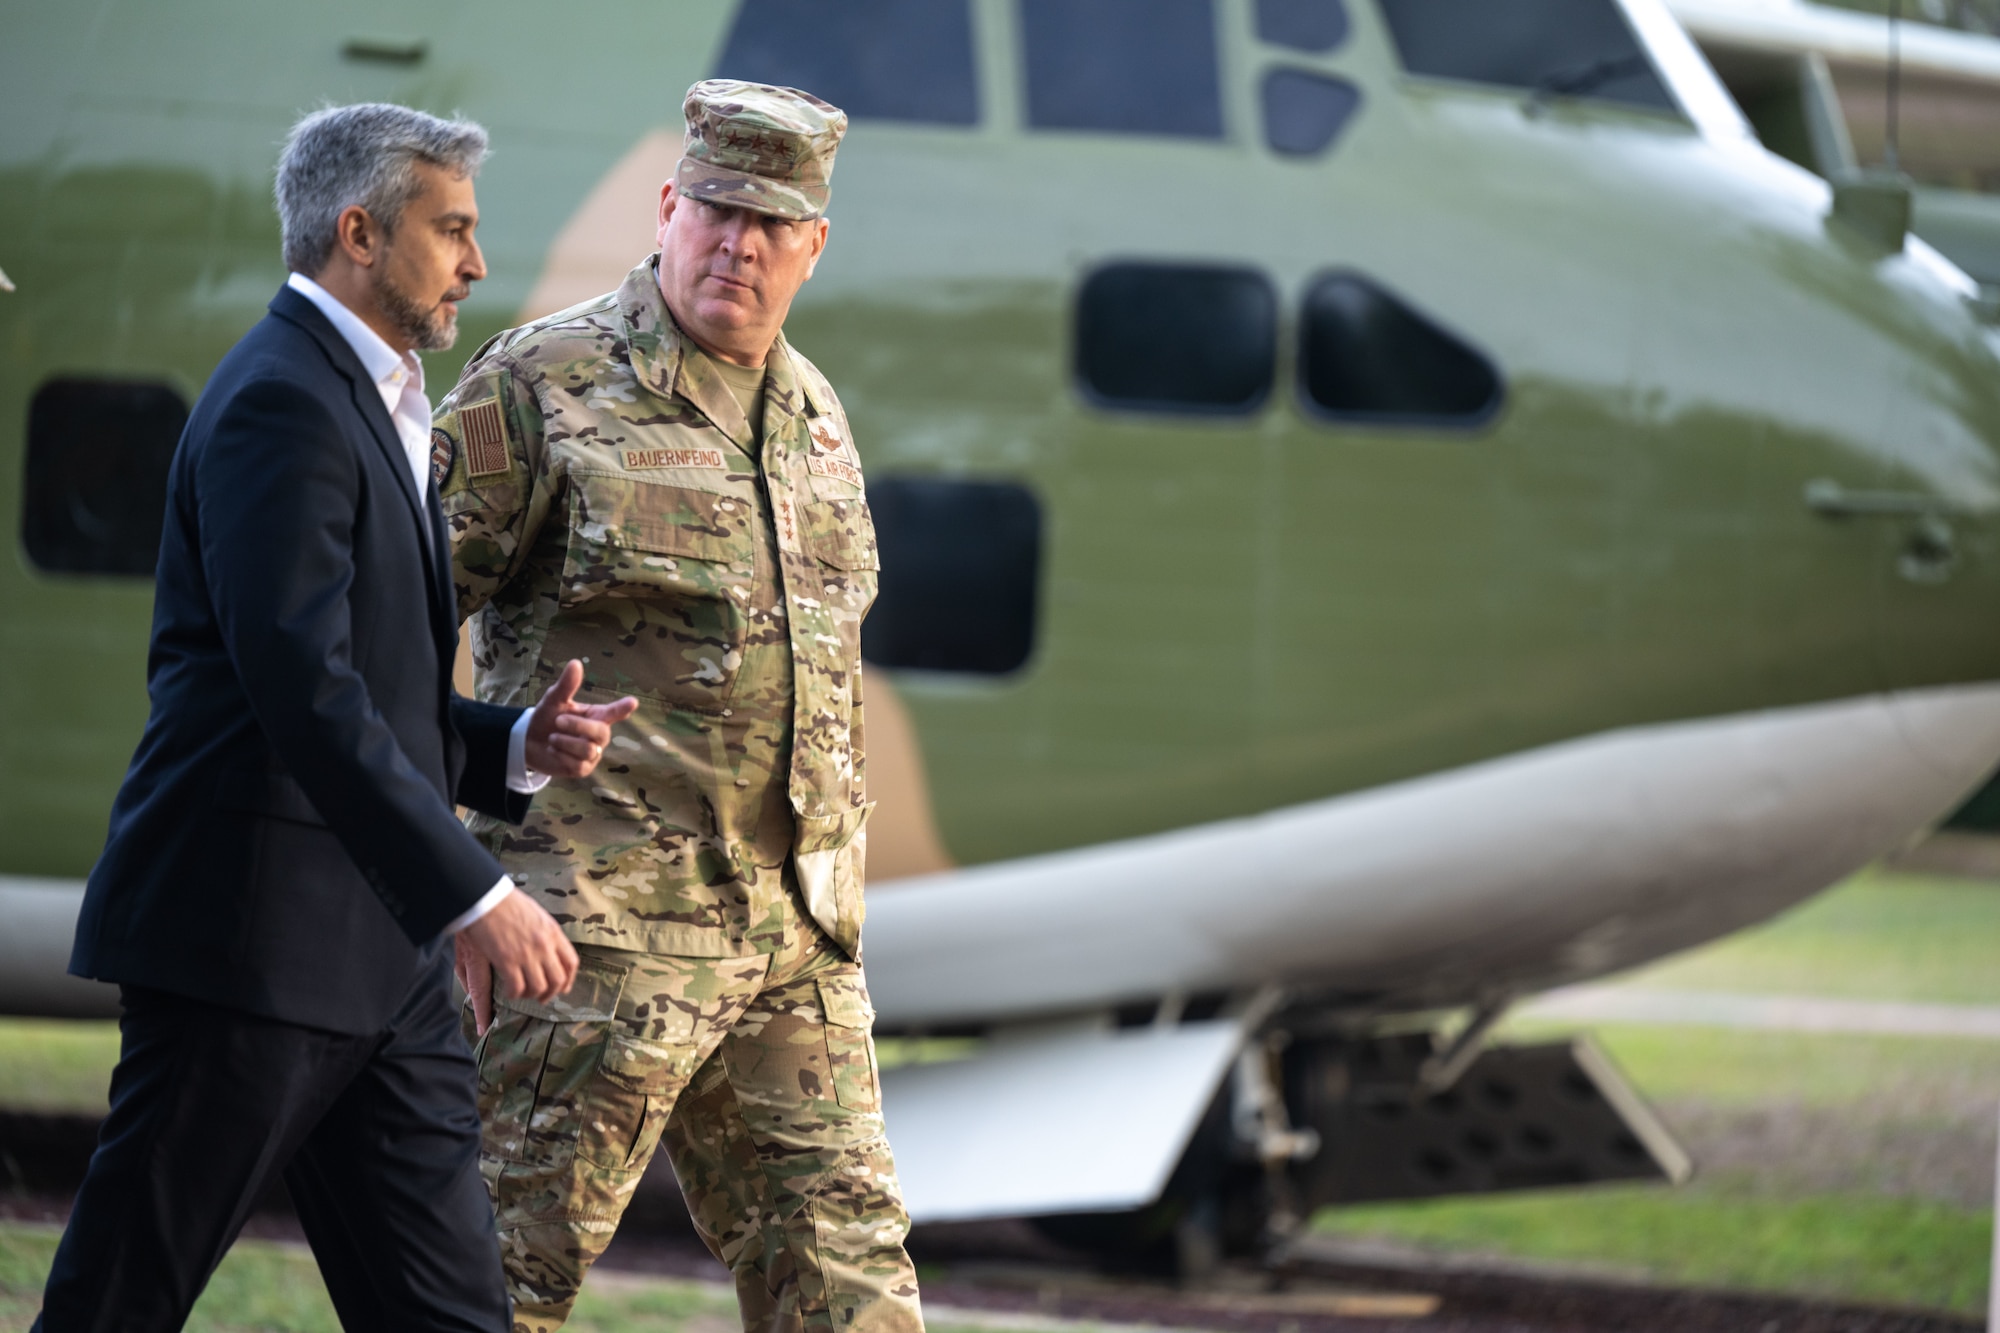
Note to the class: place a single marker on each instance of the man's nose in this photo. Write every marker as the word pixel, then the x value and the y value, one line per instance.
pixel 742 234
pixel 474 267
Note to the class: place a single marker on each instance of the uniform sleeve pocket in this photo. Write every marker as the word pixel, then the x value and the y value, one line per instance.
pixel 841 533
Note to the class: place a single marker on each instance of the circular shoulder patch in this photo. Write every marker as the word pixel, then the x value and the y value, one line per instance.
pixel 443 450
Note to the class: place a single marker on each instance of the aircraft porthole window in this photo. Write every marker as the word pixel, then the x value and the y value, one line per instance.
pixel 1303 25
pixel 1123 66
pixel 907 60
pixel 961 569
pixel 1177 337
pixel 95 492
pixel 1562 48
pixel 1368 356
pixel 1305 112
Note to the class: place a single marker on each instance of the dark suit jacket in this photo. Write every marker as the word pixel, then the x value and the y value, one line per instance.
pixel 284 842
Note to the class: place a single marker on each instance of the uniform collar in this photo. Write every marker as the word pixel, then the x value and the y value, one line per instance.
pixel 661 359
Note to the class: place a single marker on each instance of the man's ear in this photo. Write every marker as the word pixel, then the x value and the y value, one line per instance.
pixel 819 245
pixel 356 235
pixel 669 197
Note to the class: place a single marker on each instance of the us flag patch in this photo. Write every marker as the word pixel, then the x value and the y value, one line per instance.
pixel 485 435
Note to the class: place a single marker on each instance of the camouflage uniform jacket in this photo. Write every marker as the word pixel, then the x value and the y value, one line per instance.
pixel 607 503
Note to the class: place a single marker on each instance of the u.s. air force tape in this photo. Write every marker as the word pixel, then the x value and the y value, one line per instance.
pixel 484 429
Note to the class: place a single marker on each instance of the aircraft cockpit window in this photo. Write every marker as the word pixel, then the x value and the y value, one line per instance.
pixel 908 60
pixel 1366 355
pixel 1561 48
pixel 1177 337
pixel 1303 25
pixel 1125 66
pixel 961 565
pixel 95 492
pixel 1305 112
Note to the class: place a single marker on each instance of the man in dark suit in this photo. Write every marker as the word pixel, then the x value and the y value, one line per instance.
pixel 284 871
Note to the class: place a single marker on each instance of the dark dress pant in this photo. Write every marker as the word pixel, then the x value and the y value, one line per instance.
pixel 376 1138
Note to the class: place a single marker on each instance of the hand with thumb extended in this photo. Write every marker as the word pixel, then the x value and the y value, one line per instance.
pixel 566 738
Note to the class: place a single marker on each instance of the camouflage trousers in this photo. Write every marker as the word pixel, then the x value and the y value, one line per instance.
pixel 758 1075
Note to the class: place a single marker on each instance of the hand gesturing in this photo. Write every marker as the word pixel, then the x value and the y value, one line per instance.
pixel 566 738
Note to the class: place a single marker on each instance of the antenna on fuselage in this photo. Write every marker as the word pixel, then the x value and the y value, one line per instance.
pixel 1891 153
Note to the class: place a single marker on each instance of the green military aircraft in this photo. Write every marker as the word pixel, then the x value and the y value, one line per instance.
pixel 1386 507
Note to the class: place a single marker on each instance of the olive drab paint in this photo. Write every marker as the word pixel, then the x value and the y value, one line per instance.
pixel 1235 614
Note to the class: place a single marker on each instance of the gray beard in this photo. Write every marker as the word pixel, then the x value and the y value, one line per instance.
pixel 428 328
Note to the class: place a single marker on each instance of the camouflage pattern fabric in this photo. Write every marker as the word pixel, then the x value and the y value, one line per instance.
pixel 760 147
pixel 758 1074
pixel 608 503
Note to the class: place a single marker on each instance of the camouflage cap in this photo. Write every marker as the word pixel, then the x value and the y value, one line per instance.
pixel 760 147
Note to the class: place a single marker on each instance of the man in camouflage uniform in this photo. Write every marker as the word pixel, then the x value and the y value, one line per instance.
pixel 656 483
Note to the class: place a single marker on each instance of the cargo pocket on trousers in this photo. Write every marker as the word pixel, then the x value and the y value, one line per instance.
pixel 628 1102
pixel 850 1048
pixel 510 1058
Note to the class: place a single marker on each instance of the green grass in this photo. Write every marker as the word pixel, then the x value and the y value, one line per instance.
pixel 273 1288
pixel 1887 1251
pixel 1879 936
pixel 56 1064
pixel 259 1286
pixel 1725 1067
pixel 1796 1221
pixel 894 1052
pixel 1881 1103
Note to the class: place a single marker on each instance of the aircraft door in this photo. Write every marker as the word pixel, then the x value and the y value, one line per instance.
pixel 1939 587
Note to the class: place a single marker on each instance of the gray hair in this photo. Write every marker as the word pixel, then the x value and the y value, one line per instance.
pixel 365 154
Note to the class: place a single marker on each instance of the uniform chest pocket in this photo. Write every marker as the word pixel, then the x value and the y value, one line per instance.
pixel 841 536
pixel 656 589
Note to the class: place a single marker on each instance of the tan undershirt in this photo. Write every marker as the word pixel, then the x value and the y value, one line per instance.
pixel 746 386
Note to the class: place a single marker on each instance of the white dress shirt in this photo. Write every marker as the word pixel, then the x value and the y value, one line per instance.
pixel 399 378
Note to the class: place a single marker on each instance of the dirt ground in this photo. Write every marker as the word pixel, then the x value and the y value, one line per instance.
pixel 1003 1268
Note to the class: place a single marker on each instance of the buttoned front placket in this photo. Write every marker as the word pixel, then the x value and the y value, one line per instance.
pixel 822 679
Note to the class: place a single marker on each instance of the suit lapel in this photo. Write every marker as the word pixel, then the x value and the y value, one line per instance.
pixel 443 600
pixel 367 400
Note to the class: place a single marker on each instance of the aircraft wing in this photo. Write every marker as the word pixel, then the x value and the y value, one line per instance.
pixel 1792 27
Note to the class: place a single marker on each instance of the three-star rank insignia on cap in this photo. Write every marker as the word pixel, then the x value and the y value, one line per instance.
pixel 443 448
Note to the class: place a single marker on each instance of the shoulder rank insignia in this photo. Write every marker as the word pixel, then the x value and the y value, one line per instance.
pixel 484 428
